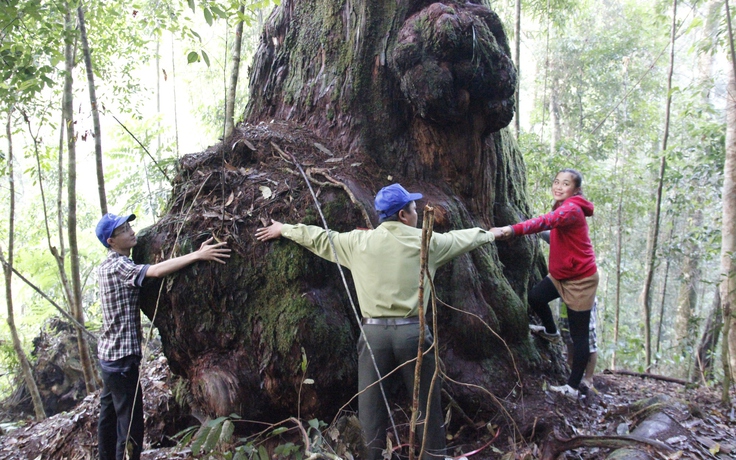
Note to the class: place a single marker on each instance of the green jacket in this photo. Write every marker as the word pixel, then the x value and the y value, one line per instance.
pixel 385 261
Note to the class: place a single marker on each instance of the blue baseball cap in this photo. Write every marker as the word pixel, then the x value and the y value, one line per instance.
pixel 392 198
pixel 108 224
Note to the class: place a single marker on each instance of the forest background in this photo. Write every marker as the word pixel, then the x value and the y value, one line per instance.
pixel 633 94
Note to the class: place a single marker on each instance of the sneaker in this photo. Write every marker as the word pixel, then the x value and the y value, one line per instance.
pixel 542 332
pixel 566 390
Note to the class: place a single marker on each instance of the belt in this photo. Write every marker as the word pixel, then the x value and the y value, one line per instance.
pixel 391 321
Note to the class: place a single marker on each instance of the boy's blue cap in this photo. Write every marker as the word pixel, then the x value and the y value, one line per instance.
pixel 392 198
pixel 108 224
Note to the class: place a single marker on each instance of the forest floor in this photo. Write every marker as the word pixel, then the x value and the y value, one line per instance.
pixel 702 428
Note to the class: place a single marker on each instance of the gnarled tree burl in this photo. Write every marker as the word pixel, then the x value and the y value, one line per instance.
pixel 362 93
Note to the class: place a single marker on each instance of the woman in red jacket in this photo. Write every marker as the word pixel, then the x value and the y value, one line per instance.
pixel 573 274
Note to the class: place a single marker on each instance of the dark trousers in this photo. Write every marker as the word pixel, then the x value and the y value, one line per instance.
pixel 539 298
pixel 119 404
pixel 392 346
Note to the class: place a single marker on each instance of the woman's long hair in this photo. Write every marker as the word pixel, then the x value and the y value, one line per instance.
pixel 577 179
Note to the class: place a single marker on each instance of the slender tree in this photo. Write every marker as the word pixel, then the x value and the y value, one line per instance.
pixel 646 295
pixel 709 340
pixel 234 73
pixel 90 375
pixel 95 110
pixel 25 366
pixel 55 252
pixel 663 297
pixel 728 230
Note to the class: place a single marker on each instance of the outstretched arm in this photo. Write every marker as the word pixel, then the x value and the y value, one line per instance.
pixel 503 233
pixel 271 232
pixel 211 252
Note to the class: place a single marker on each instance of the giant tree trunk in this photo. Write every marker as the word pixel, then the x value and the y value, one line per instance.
pixel 362 94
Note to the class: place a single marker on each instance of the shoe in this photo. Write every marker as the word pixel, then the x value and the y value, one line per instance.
pixel 586 387
pixel 542 332
pixel 566 390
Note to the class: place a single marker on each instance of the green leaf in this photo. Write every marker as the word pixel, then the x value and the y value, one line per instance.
pixel 192 57
pixel 279 430
pixel 208 16
pixel 262 453
pixel 218 11
pixel 191 4
pixel 228 428
pixel 200 438
pixel 212 438
pixel 206 58
pixel 314 423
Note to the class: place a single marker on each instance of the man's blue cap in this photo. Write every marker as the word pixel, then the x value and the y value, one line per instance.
pixel 108 224
pixel 392 198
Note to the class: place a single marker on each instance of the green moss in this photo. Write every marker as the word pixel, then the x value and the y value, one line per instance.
pixel 286 262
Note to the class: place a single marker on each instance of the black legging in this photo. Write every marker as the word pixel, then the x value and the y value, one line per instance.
pixel 539 298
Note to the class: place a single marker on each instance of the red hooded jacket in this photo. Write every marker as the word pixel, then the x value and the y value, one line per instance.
pixel 571 255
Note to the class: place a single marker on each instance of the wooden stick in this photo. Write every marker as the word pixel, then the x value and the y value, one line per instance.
pixel 648 375
pixel 428 221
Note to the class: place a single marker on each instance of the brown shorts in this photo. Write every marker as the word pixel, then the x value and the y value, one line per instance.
pixel 579 295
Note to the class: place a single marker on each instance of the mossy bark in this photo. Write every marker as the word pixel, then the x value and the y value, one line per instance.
pixel 367 93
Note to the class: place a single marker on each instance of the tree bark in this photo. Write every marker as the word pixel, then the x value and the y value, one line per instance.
pixel 95 110
pixel 554 113
pixel 25 366
pixel 75 302
pixel 234 74
pixel 517 62
pixel 662 302
pixel 362 94
pixel 646 296
pixel 728 226
pixel 687 298
pixel 709 340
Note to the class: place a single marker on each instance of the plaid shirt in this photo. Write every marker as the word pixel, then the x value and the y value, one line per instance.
pixel 120 281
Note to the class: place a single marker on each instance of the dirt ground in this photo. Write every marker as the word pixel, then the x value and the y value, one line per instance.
pixel 703 428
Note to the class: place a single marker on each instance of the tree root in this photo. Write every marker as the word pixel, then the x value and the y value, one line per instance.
pixel 557 444
pixel 332 183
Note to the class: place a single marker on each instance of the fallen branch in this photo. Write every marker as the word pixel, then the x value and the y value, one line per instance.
pixel 66 314
pixel 664 378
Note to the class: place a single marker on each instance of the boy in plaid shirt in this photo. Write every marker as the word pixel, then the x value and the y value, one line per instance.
pixel 120 426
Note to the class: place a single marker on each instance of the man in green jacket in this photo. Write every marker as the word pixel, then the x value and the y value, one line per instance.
pixel 385 266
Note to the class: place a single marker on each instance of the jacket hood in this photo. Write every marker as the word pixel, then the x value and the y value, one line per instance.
pixel 584 204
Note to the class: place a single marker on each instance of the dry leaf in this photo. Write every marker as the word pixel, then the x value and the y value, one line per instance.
pixel 230 199
pixel 323 149
pixel 266 192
